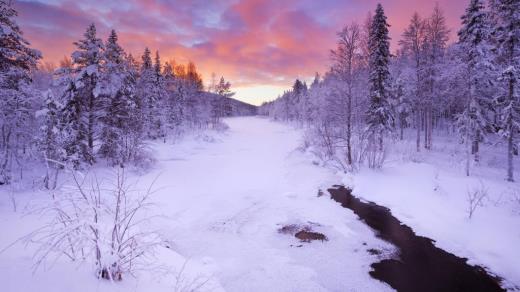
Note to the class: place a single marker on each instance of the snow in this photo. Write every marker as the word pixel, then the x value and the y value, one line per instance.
pixel 221 199
pixel 222 196
pixel 429 194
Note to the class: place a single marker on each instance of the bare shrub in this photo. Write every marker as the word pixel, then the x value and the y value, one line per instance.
pixel 329 145
pixel 375 157
pixel 101 225
pixel 475 198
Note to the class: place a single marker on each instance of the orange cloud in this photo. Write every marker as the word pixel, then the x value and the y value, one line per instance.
pixel 262 43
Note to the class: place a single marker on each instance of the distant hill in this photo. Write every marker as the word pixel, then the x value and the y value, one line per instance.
pixel 240 108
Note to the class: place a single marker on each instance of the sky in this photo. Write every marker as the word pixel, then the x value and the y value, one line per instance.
pixel 260 46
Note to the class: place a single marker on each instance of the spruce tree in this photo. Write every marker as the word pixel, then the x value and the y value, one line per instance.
pixel 17 60
pixel 379 116
pixel 82 88
pixel 159 92
pixel 116 103
pixel 507 34
pixel 474 42
pixel 147 94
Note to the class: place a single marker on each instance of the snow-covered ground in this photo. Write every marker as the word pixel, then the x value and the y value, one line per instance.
pixel 222 197
pixel 429 192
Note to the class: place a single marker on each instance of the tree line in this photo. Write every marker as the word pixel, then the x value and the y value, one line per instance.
pixel 102 103
pixel 468 88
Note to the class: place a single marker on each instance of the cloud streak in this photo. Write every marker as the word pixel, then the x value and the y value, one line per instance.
pixel 262 43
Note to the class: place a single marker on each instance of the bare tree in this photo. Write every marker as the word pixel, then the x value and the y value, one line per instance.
pixel 346 58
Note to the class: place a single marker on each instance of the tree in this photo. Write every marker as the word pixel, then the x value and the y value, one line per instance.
pixel 473 39
pixel 80 95
pixel 379 116
pixel 221 104
pixel 437 35
pixel 117 102
pixel 507 34
pixel 50 140
pixel 149 95
pixel 345 57
pixel 17 60
pixel 412 44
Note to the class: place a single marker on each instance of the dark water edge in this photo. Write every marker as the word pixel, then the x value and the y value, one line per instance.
pixel 420 266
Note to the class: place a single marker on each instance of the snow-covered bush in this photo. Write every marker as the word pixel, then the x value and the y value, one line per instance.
pixel 98 223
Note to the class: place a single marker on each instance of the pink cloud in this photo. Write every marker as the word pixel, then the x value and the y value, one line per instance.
pixel 265 42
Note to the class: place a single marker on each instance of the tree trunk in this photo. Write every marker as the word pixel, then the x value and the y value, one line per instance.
pixel 510 150
pixel 475 146
pixel 349 127
pixel 510 140
pixel 91 122
pixel 418 125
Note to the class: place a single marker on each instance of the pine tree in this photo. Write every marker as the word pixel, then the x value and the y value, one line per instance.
pixel 223 89
pixel 172 104
pixel 117 103
pixel 147 94
pixel 159 119
pixel 507 34
pixel 379 116
pixel 82 88
pixel 17 61
pixel 473 39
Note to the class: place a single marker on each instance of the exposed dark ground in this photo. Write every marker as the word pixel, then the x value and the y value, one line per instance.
pixel 420 265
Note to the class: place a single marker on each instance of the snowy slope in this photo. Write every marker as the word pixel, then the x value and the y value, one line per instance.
pixel 221 198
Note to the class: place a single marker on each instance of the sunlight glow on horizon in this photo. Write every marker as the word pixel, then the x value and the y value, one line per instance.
pixel 257 94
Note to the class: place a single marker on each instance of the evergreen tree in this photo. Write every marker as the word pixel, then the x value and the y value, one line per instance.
pixel 507 34
pixel 116 95
pixel 148 95
pixel 17 61
pixel 82 88
pixel 172 104
pixel 158 115
pixel 379 116
pixel 223 89
pixel 473 39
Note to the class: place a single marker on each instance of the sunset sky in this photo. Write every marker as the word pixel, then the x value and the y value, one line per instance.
pixel 260 46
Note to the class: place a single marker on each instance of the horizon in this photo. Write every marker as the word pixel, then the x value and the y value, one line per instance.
pixel 261 47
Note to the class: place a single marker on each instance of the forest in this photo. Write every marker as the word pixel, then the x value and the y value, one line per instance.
pixel 468 88
pixel 396 169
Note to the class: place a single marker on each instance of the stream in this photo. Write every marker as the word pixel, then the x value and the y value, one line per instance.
pixel 419 265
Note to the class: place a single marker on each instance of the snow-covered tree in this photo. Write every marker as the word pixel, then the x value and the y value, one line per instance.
pixel 51 139
pixel 507 35
pixel 437 35
pixel 80 97
pixel 379 115
pixel 17 60
pixel 220 103
pixel 117 94
pixel 412 45
pixel 149 95
pixel 474 41
pixel 345 65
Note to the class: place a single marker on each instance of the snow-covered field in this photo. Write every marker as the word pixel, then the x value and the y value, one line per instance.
pixel 222 197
